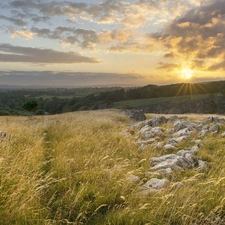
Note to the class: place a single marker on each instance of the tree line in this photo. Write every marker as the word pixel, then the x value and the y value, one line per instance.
pixel 12 101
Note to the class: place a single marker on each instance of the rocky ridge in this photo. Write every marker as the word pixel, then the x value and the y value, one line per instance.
pixel 165 135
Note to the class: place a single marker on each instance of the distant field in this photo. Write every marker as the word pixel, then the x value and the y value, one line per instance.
pixel 140 103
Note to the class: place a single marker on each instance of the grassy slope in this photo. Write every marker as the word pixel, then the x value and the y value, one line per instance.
pixel 140 103
pixel 72 169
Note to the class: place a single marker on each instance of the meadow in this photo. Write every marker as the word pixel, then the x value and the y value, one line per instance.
pixel 72 169
pixel 142 103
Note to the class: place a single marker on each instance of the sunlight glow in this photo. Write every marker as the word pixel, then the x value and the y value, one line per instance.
pixel 186 73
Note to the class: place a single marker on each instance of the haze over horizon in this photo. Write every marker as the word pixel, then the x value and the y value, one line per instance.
pixel 107 42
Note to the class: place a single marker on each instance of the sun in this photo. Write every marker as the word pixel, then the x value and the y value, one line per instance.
pixel 186 74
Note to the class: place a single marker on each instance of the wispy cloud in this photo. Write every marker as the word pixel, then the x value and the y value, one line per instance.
pixel 52 79
pixel 11 53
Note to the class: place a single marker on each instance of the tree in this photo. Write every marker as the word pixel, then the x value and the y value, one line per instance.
pixel 30 106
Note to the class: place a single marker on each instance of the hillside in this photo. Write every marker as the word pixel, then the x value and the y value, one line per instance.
pixel 174 98
pixel 97 167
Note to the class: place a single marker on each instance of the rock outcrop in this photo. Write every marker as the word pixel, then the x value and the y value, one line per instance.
pixel 165 135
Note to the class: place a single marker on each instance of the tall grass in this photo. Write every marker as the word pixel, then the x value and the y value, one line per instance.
pixel 73 168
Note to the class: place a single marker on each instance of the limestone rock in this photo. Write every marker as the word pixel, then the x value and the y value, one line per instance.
pixel 137 115
pixel 153 185
pixel 178 125
pixel 202 165
pixel 172 118
pixel 147 142
pixel 183 132
pixel 169 147
pixel 176 162
pixel 159 145
pixel 181 139
pixel 194 149
pixel 165 171
pixel 156 121
pixel 214 128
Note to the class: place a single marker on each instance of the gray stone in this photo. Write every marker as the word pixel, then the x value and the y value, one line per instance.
pixel 165 171
pixel 181 139
pixel 172 141
pixel 153 185
pixel 156 121
pixel 137 115
pixel 138 125
pixel 147 142
pixel 157 131
pixel 159 145
pixel 182 152
pixel 214 128
pixel 142 147
pixel 212 119
pixel 194 149
pixel 175 162
pixel 202 165
pixel 203 132
pixel 183 132
pixel 169 147
pixel 178 125
pixel 172 118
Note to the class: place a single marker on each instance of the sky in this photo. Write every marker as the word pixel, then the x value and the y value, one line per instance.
pixel 111 42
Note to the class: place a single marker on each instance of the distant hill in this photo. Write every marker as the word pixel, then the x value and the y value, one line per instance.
pixel 207 97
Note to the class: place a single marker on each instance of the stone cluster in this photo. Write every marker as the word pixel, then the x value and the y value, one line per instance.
pixel 166 134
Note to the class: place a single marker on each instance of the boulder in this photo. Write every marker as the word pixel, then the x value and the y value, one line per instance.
pixel 176 162
pixel 178 125
pixel 183 132
pixel 214 128
pixel 137 115
pixel 172 118
pixel 147 142
pixel 169 147
pixel 153 185
pixel 172 141
pixel 156 121
pixel 203 132
pixel 159 145
pixel 181 139
pixel 194 149
pixel 202 165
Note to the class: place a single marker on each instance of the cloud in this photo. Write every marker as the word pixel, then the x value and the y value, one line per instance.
pixel 53 79
pixel 217 66
pixel 168 66
pixel 105 12
pixel 199 34
pixel 80 37
pixel 24 33
pixel 11 53
pixel 15 21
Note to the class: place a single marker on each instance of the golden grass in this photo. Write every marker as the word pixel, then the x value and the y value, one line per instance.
pixel 72 169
